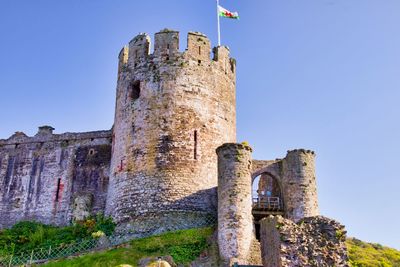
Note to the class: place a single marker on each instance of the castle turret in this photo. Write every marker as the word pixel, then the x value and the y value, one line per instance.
pixel 235 220
pixel 173 110
pixel 299 184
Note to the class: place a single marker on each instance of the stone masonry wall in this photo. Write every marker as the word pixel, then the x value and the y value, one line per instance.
pixel 40 176
pixel 173 109
pixel 235 220
pixel 314 241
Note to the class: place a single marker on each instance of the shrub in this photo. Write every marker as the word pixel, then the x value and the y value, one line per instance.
pixel 104 224
pixel 362 254
pixel 28 235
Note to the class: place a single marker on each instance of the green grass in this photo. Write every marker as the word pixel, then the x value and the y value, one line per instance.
pixel 26 235
pixel 184 247
pixel 364 254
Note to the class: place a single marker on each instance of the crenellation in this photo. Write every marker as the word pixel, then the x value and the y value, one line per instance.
pixel 123 59
pixel 198 47
pixel 166 44
pixel 224 61
pixel 139 49
pixel 302 150
pixel 21 138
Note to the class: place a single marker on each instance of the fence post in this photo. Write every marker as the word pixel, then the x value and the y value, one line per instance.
pixel 10 263
pixel 49 252
pixel 30 261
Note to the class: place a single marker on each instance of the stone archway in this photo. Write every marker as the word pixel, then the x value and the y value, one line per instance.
pixel 267 195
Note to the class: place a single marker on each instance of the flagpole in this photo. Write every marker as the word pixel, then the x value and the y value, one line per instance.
pixel 219 26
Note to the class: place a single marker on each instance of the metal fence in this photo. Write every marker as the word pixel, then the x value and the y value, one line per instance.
pixel 44 254
pixel 41 255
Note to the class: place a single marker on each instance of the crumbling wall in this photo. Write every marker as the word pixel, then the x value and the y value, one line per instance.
pixel 173 109
pixel 313 241
pixel 41 175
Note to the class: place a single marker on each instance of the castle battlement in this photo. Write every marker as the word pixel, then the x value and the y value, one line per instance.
pixel 166 51
pixel 300 150
pixel 45 134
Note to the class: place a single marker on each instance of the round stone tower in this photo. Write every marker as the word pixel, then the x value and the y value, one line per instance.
pixel 235 220
pixel 173 109
pixel 299 184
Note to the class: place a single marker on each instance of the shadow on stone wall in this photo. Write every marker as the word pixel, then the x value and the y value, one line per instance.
pixel 172 217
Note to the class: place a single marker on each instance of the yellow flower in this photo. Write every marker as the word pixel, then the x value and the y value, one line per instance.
pixel 97 234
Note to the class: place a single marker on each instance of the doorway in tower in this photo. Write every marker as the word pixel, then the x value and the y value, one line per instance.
pixel 267 198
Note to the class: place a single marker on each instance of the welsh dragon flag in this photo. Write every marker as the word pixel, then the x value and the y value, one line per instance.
pixel 222 12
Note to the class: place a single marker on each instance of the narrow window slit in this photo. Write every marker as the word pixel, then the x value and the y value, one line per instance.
pixel 195 145
pixel 58 189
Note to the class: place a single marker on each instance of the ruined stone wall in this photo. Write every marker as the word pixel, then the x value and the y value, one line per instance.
pixel 41 176
pixel 235 220
pixel 173 109
pixel 295 175
pixel 314 241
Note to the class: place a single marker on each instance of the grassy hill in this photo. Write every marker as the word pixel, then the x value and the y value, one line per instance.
pixel 364 254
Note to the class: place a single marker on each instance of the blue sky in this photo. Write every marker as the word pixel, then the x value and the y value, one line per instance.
pixel 315 74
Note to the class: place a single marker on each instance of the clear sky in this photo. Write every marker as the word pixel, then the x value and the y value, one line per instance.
pixel 316 74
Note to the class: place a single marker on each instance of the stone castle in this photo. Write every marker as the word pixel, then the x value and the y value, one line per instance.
pixel 170 160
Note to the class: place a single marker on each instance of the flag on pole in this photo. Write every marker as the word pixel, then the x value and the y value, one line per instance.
pixel 222 12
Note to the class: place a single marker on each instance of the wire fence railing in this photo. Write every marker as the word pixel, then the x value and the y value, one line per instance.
pixel 44 254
